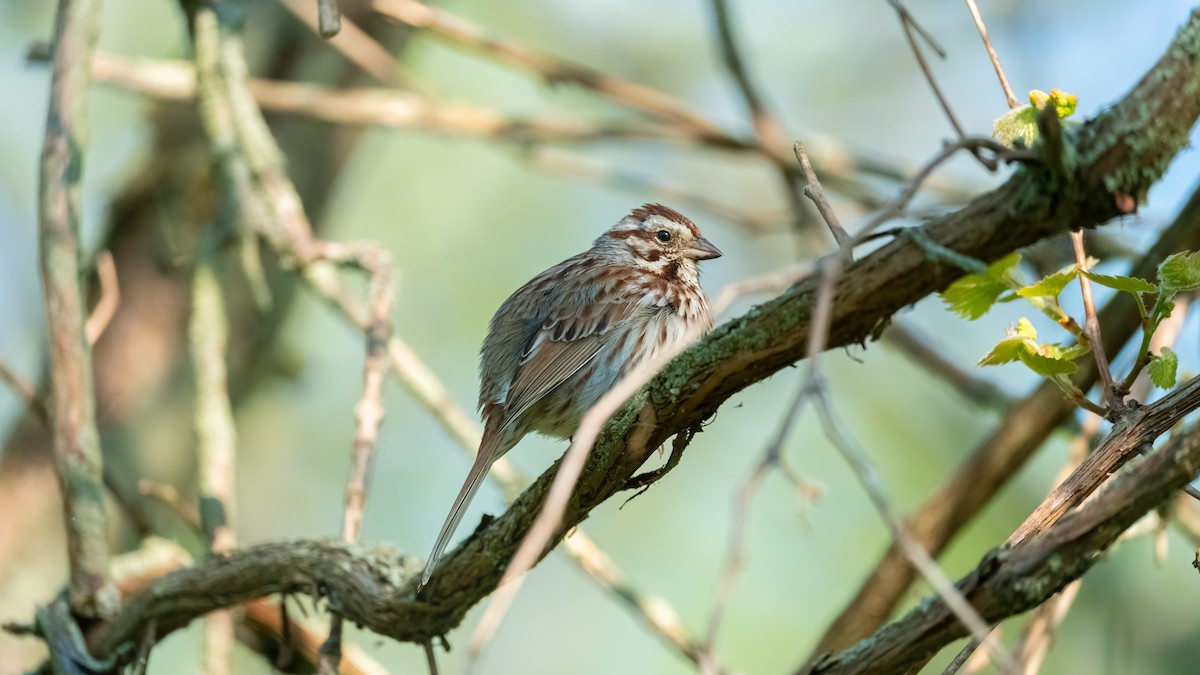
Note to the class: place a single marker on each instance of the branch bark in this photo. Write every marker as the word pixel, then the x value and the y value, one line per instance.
pixel 77 459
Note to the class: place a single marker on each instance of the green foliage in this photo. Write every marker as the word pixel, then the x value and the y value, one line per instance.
pixel 1006 351
pixel 1180 272
pixel 1121 283
pixel 974 294
pixel 1020 124
pixel 1052 285
pixel 1047 360
pixel 1163 367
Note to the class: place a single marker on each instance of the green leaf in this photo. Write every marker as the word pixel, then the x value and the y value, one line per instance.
pixel 1006 351
pixel 1047 363
pixel 1020 124
pixel 1021 345
pixel 1162 368
pixel 1180 272
pixel 1025 329
pixel 1051 285
pixel 974 294
pixel 1122 283
pixel 1061 353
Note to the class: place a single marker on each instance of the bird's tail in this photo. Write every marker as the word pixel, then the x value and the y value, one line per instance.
pixel 483 462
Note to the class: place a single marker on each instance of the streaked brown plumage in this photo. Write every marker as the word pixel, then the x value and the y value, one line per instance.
pixel 562 340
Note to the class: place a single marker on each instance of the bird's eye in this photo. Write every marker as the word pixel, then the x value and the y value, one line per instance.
pixel 663 236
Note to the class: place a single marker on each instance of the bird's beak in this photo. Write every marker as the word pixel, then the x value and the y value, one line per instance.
pixel 702 249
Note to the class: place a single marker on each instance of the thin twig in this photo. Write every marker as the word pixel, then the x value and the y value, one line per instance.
pixel 369 415
pixel 1110 396
pixel 110 298
pixel 77 458
pixel 895 207
pixel 991 51
pixel 463 33
pixel 26 393
pixel 768 284
pixel 661 106
pixel 216 435
pixel 353 42
pixel 367 106
pixel 579 168
pixel 430 657
pixel 916 553
pixel 813 190
pixel 1040 626
pixel 768 128
pixel 911 28
pixel 739 520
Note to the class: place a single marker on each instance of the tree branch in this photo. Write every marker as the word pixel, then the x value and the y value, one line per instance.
pixel 77 459
pixel 1010 581
pixel 998 458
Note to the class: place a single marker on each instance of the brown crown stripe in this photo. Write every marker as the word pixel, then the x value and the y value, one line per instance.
pixel 646 210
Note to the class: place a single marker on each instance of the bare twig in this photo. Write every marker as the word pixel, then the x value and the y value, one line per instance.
pixel 1111 398
pixel 916 553
pixel 769 283
pixel 305 636
pixel 991 51
pixel 561 163
pixel 768 128
pixel 1039 631
pixel 430 657
pixel 77 458
pixel 737 528
pixel 666 108
pixel 463 33
pixel 215 433
pixel 110 298
pixel 896 206
pixel 813 190
pixel 176 81
pixel 369 416
pixel 911 29
pixel 25 392
pixel 353 42
pixel 369 412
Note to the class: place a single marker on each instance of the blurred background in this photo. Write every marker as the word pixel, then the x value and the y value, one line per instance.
pixel 469 220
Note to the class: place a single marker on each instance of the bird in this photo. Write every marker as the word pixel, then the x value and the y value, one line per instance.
pixel 561 341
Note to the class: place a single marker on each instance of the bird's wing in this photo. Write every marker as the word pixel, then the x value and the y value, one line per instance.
pixel 566 341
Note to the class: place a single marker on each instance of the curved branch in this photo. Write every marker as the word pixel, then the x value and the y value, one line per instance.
pixel 1118 154
pixel 1010 581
